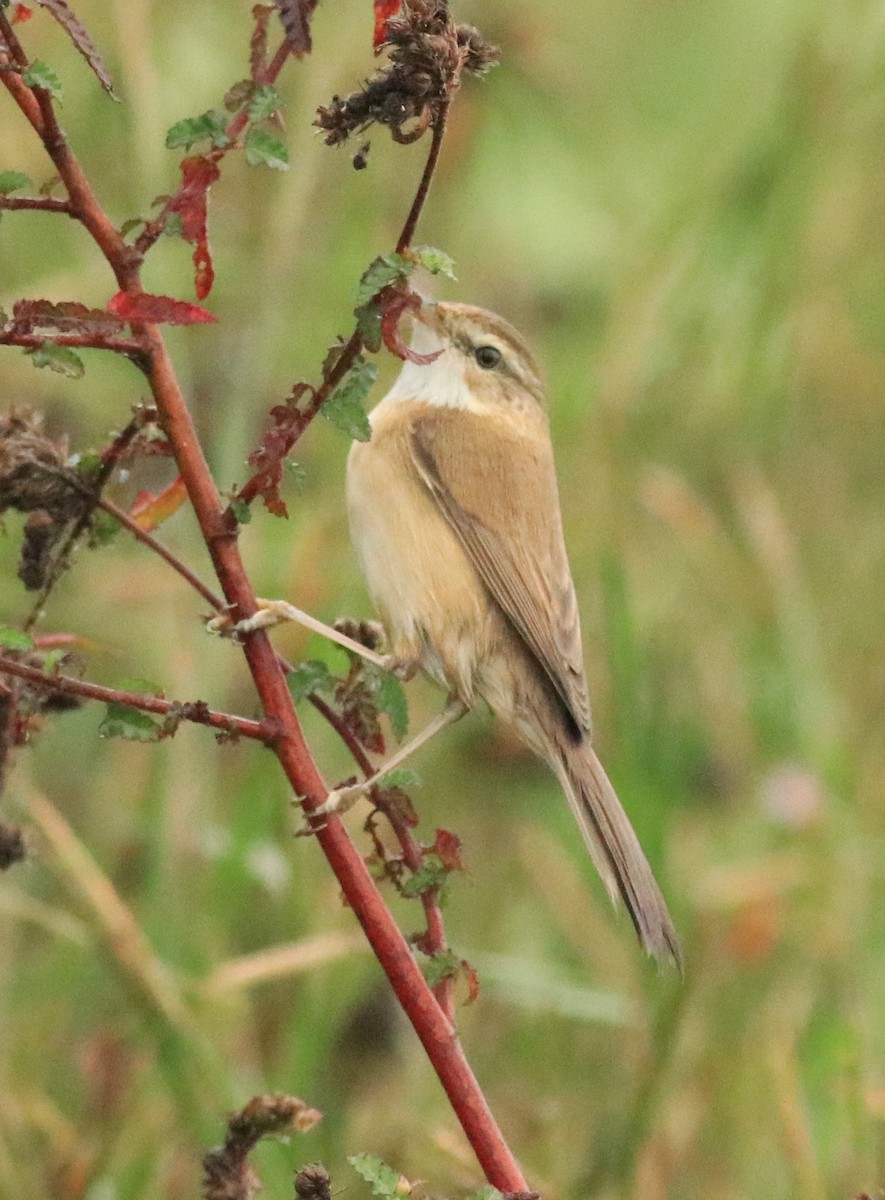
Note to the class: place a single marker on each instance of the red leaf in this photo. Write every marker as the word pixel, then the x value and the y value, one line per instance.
pixel 192 204
pixel 150 510
pixel 384 10
pixel 268 459
pixel 20 13
pixel 67 316
pixel 394 303
pixel 447 848
pixel 81 40
pixel 295 16
pixel 158 310
pixel 469 973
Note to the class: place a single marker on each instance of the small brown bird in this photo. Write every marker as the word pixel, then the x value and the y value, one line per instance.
pixel 454 512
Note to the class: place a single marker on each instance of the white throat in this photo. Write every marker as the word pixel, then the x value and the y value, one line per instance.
pixel 441 382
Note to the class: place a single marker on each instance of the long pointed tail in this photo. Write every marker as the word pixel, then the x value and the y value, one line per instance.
pixel 615 849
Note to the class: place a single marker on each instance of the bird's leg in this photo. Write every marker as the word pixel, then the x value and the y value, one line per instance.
pixel 341 799
pixel 275 612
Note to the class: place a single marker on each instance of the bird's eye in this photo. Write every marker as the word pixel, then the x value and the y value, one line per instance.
pixel 487 357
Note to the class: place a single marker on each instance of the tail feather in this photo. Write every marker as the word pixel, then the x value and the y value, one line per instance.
pixel 615 849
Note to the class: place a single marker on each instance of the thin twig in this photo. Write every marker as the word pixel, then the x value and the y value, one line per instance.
pixel 164 552
pixel 194 711
pixel 411 224
pixel 36 204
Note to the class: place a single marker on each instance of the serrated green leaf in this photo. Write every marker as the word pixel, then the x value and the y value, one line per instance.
pixel 102 529
pixel 309 676
pixel 12 181
pixel 379 274
pixel 263 149
pixel 344 408
pixel 60 359
pixel 391 698
pixel 368 324
pixel 264 102
pixel 129 723
pixel 241 510
pixel 39 74
pixel 384 1179
pixel 431 874
pixel 15 639
pixel 211 125
pixel 440 966
pixel 437 262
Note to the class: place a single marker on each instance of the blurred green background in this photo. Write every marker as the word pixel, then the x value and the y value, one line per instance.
pixel 681 205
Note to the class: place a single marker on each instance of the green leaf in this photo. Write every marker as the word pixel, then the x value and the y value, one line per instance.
pixel 391 698
pixel 87 463
pixel 386 269
pixel 61 359
pixel 12 181
pixel 487 1193
pixel 102 529
pixel 241 510
pixel 130 723
pixel 264 102
pixel 344 408
pixel 437 262
pixel 440 966
pixel 384 1180
pixel 309 676
pixel 40 75
pixel 211 125
pixel 368 324
pixel 431 874
pixel 263 149
pixel 15 639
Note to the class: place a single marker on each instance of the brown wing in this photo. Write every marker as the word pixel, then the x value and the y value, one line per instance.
pixel 515 544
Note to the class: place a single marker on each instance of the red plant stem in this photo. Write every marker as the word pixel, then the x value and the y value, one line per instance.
pixel 436 1032
pixel 411 224
pixel 199 715
pixel 412 854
